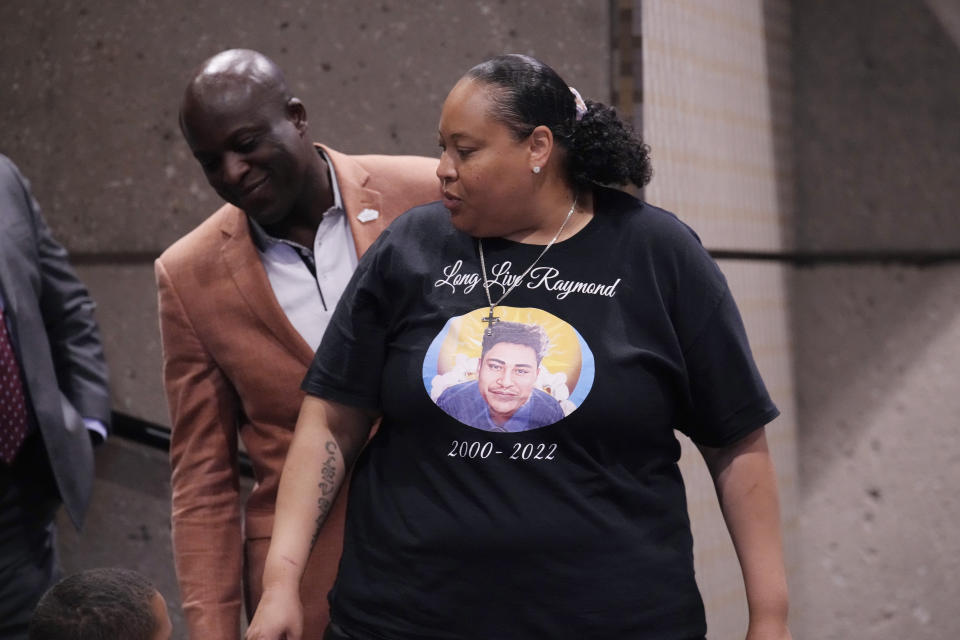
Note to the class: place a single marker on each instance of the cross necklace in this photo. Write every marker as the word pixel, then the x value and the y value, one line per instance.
pixel 491 319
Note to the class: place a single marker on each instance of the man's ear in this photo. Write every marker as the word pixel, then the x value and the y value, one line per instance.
pixel 541 146
pixel 297 114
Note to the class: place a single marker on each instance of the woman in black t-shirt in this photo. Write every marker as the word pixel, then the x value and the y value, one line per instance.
pixel 573 529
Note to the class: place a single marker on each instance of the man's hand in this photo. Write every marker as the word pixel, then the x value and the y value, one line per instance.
pixel 279 616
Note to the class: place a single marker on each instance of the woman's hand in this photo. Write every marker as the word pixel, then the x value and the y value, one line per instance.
pixel 279 616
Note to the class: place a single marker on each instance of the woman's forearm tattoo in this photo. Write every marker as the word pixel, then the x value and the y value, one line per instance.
pixel 327 487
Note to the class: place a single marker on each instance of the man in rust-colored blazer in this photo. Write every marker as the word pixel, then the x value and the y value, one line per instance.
pixel 244 299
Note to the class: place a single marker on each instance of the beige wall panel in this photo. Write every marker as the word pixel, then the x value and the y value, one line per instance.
pixel 717 113
pixel 717 96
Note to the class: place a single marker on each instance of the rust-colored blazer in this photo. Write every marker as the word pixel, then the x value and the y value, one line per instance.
pixel 232 367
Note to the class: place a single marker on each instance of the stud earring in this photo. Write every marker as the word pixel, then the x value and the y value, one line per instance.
pixel 536 169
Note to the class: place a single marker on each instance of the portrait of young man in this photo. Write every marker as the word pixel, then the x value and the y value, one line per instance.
pixel 504 396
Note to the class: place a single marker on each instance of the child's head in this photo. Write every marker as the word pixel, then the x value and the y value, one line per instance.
pixel 101 604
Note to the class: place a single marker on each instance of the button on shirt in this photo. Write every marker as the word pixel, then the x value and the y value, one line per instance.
pixel 308 300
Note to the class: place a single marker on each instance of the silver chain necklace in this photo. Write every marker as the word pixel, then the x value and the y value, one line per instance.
pixel 491 319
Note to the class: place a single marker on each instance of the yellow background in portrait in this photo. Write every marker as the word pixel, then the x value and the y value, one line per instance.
pixel 466 334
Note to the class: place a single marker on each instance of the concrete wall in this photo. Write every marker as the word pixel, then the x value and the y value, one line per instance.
pixel 877 343
pixel 877 353
pixel 832 130
pixel 89 93
pixel 774 125
pixel 716 111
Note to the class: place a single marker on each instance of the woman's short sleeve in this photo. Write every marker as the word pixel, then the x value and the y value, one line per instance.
pixel 727 397
pixel 724 396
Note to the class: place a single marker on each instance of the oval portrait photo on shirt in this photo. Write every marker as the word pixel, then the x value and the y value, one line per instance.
pixel 525 370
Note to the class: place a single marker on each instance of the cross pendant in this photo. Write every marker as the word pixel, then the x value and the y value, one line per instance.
pixel 490 320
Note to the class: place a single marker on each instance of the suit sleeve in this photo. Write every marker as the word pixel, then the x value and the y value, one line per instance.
pixel 70 324
pixel 206 510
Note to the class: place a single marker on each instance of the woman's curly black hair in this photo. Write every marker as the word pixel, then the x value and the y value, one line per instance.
pixel 599 148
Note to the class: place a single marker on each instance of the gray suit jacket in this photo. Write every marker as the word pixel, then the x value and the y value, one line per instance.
pixel 50 315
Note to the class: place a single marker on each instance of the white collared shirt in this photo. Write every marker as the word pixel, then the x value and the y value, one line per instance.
pixel 309 301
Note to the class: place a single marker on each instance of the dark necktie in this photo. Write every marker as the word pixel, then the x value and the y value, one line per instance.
pixel 13 402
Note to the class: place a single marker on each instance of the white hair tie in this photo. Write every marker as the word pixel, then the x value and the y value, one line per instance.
pixel 581 105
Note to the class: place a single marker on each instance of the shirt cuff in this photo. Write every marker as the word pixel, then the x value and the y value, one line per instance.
pixel 96 427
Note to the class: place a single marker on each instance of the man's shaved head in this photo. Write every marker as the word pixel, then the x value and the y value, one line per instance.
pixel 234 75
pixel 250 136
pixel 243 62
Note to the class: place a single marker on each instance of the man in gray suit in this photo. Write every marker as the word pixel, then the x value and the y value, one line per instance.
pixel 53 399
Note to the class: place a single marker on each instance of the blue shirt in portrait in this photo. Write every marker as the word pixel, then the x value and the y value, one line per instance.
pixel 464 402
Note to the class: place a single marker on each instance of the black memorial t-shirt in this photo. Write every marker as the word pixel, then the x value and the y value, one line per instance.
pixel 574 529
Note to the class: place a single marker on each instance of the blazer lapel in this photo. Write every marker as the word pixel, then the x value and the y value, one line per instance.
pixel 361 204
pixel 246 269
